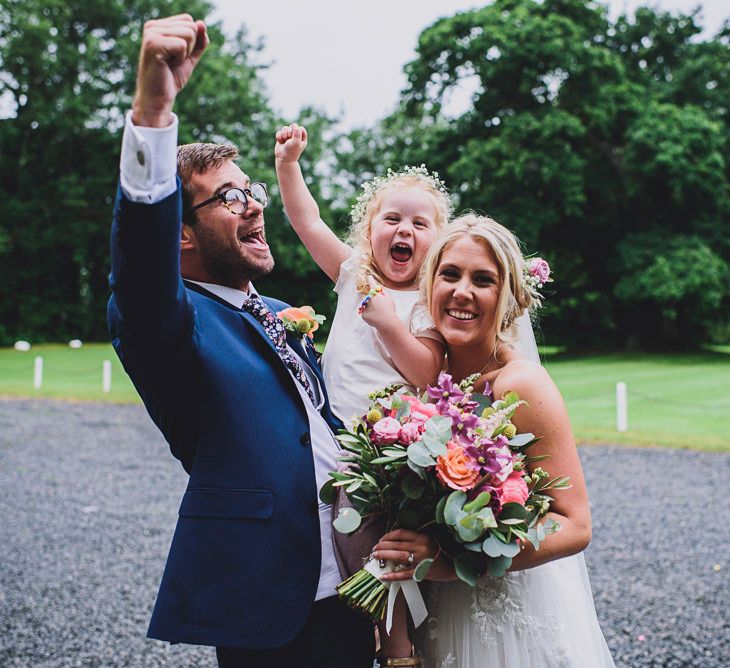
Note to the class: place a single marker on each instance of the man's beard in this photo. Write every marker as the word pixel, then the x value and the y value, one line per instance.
pixel 230 265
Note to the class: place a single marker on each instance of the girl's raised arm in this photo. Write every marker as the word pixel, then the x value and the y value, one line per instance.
pixel 325 247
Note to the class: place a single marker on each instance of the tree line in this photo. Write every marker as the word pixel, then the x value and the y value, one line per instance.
pixel 602 143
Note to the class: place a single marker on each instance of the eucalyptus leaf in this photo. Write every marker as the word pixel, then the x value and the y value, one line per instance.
pixel 419 454
pixel 493 547
pixel 347 520
pixel 512 511
pixel 486 515
pixel 440 510
pixel 469 528
pixel 478 503
pixel 532 537
pixel 483 402
pixel 511 550
pixel 521 439
pixel 498 566
pixel 439 426
pixel 511 520
pixel 454 504
pixel 328 493
pixel 421 571
pixel 434 445
pixel 467 566
pixel 550 526
pixel 416 469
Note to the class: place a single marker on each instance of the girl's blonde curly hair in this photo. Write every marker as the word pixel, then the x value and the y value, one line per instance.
pixel 368 205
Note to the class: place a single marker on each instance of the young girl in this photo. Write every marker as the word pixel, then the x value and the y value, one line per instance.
pixel 379 335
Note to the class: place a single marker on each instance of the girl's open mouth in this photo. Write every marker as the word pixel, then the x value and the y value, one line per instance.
pixel 401 252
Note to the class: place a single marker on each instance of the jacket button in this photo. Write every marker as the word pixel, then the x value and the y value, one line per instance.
pixel 305 440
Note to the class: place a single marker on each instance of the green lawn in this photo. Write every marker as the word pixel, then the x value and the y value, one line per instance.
pixel 67 373
pixel 674 400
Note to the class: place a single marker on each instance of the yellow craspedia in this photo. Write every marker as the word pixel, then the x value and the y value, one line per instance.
pixel 374 415
pixel 304 325
pixel 510 431
pixel 487 412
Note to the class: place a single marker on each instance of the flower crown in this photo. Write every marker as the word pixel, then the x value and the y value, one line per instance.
pixel 535 273
pixel 369 188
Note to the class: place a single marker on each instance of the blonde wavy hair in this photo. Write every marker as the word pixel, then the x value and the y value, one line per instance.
pixel 358 237
pixel 516 296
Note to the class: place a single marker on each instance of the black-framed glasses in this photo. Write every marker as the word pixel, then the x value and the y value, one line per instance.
pixel 236 199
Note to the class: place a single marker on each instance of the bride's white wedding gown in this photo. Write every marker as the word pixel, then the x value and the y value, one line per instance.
pixel 541 617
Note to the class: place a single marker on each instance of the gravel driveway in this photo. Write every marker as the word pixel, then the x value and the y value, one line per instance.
pixel 89 496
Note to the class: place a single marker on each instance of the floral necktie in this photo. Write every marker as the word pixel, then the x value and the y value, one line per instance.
pixel 274 329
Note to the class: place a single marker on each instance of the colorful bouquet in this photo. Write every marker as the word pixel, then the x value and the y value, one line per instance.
pixel 449 463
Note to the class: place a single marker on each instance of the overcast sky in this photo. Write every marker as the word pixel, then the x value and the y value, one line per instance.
pixel 347 57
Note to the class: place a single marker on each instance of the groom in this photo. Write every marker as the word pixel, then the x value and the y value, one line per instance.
pixel 251 569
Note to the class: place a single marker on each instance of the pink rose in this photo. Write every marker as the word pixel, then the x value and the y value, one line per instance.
pixel 409 433
pixel 540 269
pixel 514 489
pixel 420 412
pixel 385 431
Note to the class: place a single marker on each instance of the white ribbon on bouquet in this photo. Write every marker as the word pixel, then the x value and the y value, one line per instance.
pixel 411 593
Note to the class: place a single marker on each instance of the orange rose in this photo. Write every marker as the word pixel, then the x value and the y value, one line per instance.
pixel 302 318
pixel 455 469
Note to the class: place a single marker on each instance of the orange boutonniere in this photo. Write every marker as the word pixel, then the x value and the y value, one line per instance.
pixel 301 320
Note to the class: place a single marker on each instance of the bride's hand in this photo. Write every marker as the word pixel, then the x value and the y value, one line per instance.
pixel 400 544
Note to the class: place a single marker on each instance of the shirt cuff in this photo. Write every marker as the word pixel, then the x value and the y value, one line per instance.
pixel 148 165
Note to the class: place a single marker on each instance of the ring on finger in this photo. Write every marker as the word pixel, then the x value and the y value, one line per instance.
pixel 410 558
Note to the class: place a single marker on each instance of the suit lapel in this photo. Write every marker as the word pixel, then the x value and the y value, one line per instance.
pixel 244 314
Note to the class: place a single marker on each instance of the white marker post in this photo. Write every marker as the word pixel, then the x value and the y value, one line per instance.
pixel 38 373
pixel 106 376
pixel 622 409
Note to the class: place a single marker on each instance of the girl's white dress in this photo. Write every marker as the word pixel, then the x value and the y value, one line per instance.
pixel 356 361
pixel 541 617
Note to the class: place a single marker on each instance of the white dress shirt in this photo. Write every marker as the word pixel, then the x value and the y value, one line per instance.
pixel 148 168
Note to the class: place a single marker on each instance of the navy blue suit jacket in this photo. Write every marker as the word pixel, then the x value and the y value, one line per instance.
pixel 244 562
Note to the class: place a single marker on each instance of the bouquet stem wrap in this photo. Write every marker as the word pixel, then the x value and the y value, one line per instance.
pixel 366 591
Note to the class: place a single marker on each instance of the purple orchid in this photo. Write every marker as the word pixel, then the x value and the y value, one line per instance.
pixel 493 458
pixel 445 393
pixel 488 391
pixel 462 424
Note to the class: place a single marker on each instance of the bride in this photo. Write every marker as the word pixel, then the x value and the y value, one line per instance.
pixel 541 613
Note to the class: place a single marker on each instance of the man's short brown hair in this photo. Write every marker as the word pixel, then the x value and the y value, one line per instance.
pixel 198 159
